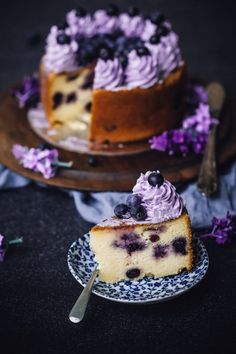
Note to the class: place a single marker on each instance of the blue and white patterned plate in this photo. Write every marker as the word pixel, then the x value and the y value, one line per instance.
pixel 81 264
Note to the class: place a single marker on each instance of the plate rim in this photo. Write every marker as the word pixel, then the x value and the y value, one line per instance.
pixel 139 302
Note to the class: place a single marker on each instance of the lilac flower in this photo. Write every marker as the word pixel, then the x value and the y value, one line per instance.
pixel 4 244
pixel 28 93
pixel 222 229
pixel 44 161
pixel 192 135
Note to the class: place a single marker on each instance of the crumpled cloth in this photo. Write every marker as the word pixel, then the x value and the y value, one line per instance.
pixel 95 206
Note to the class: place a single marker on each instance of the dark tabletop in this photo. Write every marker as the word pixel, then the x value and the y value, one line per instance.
pixel 36 288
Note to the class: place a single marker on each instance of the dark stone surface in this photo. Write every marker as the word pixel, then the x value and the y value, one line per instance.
pixel 36 288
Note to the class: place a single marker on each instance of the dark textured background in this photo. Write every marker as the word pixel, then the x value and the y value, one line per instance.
pixel 36 288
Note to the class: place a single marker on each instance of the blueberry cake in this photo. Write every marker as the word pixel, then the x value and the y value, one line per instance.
pixel 150 235
pixel 112 76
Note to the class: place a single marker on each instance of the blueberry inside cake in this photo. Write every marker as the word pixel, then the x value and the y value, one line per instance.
pixel 114 76
pixel 150 235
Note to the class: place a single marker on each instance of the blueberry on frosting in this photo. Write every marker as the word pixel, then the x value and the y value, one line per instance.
pixel 105 53
pixel 155 39
pixel 142 50
pixel 112 10
pixel 81 12
pixel 133 11
pixel 157 18
pixel 121 210
pixel 63 38
pixel 133 200
pixel 155 179
pixel 139 213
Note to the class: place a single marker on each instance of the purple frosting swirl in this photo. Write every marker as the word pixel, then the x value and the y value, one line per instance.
pixel 161 203
pixel 167 54
pixel 141 71
pixel 80 25
pixel 59 57
pixel 131 26
pixel 108 74
pixel 104 23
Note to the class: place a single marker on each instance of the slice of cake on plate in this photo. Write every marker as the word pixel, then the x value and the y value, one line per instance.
pixel 149 236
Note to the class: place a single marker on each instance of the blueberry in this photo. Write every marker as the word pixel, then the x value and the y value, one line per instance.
pixel 133 273
pixel 81 12
pixel 155 179
pixel 139 213
pixel 157 18
pixel 179 245
pixel 121 210
pixel 160 251
pixel 133 200
pixel 57 99
pixel 134 246
pixel 92 161
pixel 163 31
pixel 123 60
pixel 71 97
pixel 142 51
pixel 88 106
pixel 105 53
pixel 112 10
pixel 155 39
pixel 62 38
pixel 133 11
pixel 154 238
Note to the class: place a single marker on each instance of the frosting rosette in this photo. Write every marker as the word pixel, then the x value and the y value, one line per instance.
pixel 59 57
pixel 83 25
pixel 161 202
pixel 103 22
pixel 131 26
pixel 167 54
pixel 141 70
pixel 108 74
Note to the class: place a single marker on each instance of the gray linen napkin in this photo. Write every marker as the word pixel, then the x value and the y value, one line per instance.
pixel 97 205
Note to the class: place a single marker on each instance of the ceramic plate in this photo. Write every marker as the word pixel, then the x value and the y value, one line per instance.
pixel 81 264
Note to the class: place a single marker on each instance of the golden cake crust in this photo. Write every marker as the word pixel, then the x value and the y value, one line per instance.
pixel 136 114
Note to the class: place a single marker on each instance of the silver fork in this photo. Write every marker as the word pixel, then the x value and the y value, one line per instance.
pixel 78 310
pixel 207 180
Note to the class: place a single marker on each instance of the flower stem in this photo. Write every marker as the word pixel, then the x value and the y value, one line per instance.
pixel 63 164
pixel 15 241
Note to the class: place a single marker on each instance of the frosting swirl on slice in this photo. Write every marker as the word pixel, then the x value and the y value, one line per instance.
pixel 141 70
pixel 58 57
pixel 161 202
pixel 108 74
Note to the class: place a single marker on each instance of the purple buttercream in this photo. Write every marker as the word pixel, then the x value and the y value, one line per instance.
pixel 104 23
pixel 161 203
pixel 141 71
pixel 80 25
pixel 108 74
pixel 59 57
pixel 131 26
pixel 167 53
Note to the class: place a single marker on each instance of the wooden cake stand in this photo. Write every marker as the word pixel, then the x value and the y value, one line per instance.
pixel 114 172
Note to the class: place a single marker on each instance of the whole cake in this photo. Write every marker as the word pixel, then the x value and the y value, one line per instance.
pixel 112 76
pixel 148 236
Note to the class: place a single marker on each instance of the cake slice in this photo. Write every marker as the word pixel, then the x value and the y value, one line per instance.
pixel 148 236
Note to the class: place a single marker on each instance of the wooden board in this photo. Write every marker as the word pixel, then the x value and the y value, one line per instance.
pixel 112 173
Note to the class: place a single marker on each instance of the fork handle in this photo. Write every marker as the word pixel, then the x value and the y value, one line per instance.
pixel 207 180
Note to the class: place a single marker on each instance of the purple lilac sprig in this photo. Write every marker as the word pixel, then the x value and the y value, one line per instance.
pixel 44 161
pixel 222 229
pixel 193 133
pixel 28 94
pixel 4 245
